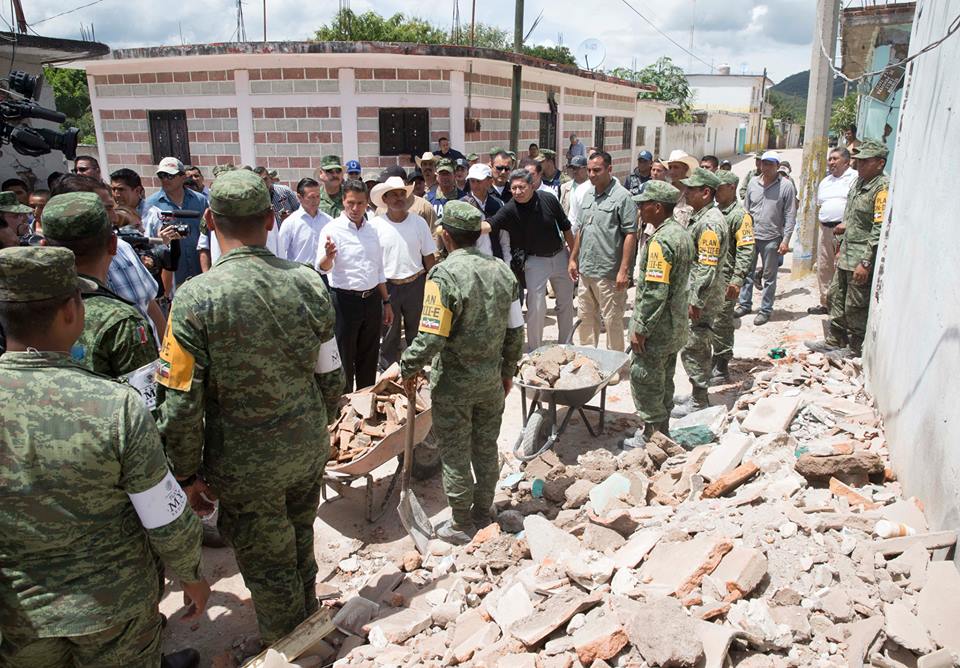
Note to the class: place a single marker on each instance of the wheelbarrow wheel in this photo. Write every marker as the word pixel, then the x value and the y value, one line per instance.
pixel 426 459
pixel 535 433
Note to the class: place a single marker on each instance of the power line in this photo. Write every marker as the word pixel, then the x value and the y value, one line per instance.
pixel 69 11
pixel 672 41
pixel 951 29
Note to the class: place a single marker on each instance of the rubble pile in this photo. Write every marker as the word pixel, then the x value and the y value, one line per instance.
pixel 559 367
pixel 760 548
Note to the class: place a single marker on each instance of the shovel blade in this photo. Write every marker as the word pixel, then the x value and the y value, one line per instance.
pixel 415 520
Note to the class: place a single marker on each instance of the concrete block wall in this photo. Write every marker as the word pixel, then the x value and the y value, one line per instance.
pixel 165 84
pixel 285 80
pixel 125 137
pixel 400 80
pixel 293 139
pixel 579 124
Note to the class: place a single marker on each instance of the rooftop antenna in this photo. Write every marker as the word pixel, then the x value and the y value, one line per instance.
pixel 693 21
pixel 455 28
pixel 241 28
pixel 590 54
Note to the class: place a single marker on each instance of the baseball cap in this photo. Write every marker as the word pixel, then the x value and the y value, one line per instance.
pixel 35 273
pixel 473 156
pixel 415 175
pixel 445 166
pixel 170 166
pixel 578 161
pixel 223 169
pixel 9 203
pixel 352 166
pixel 462 216
pixel 727 177
pixel 772 156
pixel 75 216
pixel 393 170
pixel 645 155
pixel 546 154
pixel 330 162
pixel 658 191
pixel 870 148
pixel 701 177
pixel 370 175
pixel 460 163
pixel 238 193
pixel 479 172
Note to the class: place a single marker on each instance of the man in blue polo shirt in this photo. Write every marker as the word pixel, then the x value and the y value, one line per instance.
pixel 174 197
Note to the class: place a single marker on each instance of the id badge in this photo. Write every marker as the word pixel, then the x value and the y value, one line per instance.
pixel 143 380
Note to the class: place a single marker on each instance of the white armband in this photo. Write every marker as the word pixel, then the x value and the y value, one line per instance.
pixel 329 357
pixel 144 381
pixel 516 315
pixel 161 504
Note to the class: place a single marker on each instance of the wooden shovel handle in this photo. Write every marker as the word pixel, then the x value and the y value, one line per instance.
pixel 408 441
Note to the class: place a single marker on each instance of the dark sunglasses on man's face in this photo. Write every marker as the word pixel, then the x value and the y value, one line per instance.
pixel 166 177
pixel 501 168
pixel 333 171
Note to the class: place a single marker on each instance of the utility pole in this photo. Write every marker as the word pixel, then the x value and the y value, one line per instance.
pixel 264 20
pixel 517 74
pixel 815 142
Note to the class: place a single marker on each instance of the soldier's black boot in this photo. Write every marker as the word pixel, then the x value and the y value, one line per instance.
pixel 720 374
pixel 696 402
pixel 185 658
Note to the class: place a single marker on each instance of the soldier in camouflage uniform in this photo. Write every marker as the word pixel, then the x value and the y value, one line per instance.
pixel 849 294
pixel 87 495
pixel 252 378
pixel 116 339
pixel 471 331
pixel 659 326
pixel 736 264
pixel 707 287
pixel 330 175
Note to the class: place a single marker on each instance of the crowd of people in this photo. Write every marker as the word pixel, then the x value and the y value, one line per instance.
pixel 237 314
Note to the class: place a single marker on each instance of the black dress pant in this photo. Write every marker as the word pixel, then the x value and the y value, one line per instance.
pixel 358 335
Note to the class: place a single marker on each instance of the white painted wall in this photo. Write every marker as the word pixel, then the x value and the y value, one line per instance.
pixel 720 92
pixel 913 345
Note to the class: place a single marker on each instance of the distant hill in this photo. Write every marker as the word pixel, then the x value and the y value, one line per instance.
pixel 789 97
pixel 796 85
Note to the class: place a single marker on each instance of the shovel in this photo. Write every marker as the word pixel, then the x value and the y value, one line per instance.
pixel 412 515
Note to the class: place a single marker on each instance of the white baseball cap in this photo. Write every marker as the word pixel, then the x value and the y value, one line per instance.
pixel 773 156
pixel 479 172
pixel 170 166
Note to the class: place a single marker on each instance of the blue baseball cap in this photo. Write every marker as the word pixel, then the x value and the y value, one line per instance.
pixel 353 166
pixel 645 155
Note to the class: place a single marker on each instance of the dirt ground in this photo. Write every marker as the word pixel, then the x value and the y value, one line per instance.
pixel 341 527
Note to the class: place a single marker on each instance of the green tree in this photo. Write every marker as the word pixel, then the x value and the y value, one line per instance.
pixel 72 99
pixel 787 107
pixel 557 54
pixel 844 113
pixel 671 83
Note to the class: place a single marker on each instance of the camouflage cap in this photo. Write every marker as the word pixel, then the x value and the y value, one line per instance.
pixel 546 154
pixel 658 191
pixel 370 175
pixel 870 148
pixel 330 162
pixel 273 174
pixel 9 204
pixel 75 216
pixel 445 166
pixel 35 273
pixel 239 193
pixel 472 156
pixel 496 149
pixel 727 178
pixel 462 216
pixel 223 169
pixel 701 177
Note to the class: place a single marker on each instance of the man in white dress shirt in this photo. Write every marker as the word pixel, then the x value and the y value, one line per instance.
pixel 831 201
pixel 299 236
pixel 352 256
pixel 408 253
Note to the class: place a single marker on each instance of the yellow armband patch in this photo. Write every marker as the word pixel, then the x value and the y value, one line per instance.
pixel 658 269
pixel 176 363
pixel 745 233
pixel 708 248
pixel 435 317
pixel 879 207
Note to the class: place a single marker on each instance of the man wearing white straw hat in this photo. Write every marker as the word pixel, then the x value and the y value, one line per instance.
pixel 427 164
pixel 681 165
pixel 408 253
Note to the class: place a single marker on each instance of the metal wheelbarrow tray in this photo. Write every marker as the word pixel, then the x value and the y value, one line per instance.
pixel 536 418
pixel 341 476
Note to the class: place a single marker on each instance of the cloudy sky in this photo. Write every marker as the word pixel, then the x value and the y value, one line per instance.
pixel 748 35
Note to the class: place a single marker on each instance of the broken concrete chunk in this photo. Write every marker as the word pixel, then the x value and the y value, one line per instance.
pixel 757 622
pixel 726 456
pixel 676 568
pixel 903 628
pixel 629 487
pixel 934 540
pixel 855 469
pixel 836 604
pixel 938 605
pixel 578 493
pixel 862 635
pixel 556 611
pixel 602 638
pixel 712 418
pixel 601 539
pixel 771 415
pixel 365 403
pixel 716 640
pixel 661 631
pixel 512 604
pixel 942 658
pixel 636 548
pixel 400 625
pixel 355 614
pixel 547 541
pixel 597 465
pixel 739 572
pixel 589 568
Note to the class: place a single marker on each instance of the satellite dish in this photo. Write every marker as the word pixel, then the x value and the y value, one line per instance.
pixel 590 54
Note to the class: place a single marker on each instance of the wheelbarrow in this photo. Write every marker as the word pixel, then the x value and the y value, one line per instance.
pixel 540 414
pixel 341 476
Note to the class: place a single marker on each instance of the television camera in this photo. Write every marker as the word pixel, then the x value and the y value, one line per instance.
pixel 19 104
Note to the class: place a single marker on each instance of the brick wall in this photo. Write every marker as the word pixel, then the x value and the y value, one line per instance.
pixel 293 139
pixel 579 124
pixel 398 80
pixel 578 98
pixel 495 131
pixel 616 102
pixel 156 84
pixel 214 138
pixel 126 139
pixel 285 80
pixel 613 144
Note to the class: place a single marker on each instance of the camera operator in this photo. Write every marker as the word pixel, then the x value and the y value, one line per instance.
pixel 174 197
pixel 157 244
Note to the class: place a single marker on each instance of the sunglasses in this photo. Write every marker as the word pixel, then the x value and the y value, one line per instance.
pixel 333 171
pixel 163 176
pixel 502 169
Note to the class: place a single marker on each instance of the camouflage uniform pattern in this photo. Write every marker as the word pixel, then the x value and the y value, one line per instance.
pixel 73 446
pixel 332 205
pixel 711 239
pixel 245 408
pixel 863 219
pixel 471 348
pixel 735 268
pixel 116 339
pixel 660 314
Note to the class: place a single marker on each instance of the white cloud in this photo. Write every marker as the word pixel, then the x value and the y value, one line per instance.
pixel 748 34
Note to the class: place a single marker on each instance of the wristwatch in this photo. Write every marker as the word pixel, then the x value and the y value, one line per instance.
pixel 865 264
pixel 386 302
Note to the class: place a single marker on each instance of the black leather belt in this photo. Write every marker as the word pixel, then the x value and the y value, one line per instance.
pixel 830 223
pixel 553 254
pixel 362 294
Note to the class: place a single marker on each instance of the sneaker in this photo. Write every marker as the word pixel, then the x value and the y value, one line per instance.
pixel 761 319
pixel 818 310
pixel 456 534
pixel 720 375
pixel 740 311
pixel 825 346
pixel 638 440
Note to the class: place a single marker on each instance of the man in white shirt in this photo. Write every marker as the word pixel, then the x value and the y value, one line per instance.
pixel 572 192
pixel 299 236
pixel 352 256
pixel 408 253
pixel 831 201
